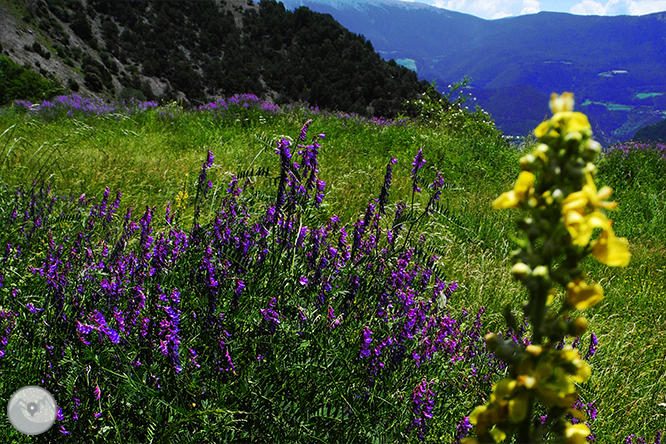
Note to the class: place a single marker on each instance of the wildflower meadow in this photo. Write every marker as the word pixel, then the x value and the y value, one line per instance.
pixel 247 272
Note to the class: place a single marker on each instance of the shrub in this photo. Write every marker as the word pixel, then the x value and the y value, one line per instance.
pixel 19 83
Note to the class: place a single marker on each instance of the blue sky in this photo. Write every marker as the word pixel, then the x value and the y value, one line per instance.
pixel 493 9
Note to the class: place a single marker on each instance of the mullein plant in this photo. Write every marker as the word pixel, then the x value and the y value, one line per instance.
pixel 556 189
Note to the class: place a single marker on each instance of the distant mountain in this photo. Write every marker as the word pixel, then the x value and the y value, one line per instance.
pixel 616 66
pixel 197 51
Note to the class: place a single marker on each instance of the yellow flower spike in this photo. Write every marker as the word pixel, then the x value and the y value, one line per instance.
pixel 564 119
pixel 576 434
pixel 512 199
pixel 610 250
pixel 581 296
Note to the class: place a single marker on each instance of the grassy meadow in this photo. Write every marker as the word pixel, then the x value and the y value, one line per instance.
pixel 382 372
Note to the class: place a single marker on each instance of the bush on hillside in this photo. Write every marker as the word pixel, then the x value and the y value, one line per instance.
pixel 19 83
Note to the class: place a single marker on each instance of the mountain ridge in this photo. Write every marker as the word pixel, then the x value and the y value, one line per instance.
pixel 548 51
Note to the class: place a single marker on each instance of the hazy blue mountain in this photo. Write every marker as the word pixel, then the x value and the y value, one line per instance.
pixel 616 66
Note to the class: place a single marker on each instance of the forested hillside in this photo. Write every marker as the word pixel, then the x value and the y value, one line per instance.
pixel 197 51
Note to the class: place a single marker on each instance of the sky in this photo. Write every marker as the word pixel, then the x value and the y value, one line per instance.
pixel 494 9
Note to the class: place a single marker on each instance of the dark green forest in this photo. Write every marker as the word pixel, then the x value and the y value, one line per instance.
pixel 207 49
pixel 650 133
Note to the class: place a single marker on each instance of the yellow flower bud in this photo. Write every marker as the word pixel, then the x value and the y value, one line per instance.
pixel 527 161
pixel 562 103
pixel 527 381
pixel 534 349
pixel 541 271
pixel 593 147
pixel 492 341
pixel 541 151
pixel 520 270
pixel 591 168
pixel 573 135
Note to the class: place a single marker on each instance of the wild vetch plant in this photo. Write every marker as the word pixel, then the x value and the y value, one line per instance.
pixel 264 322
pixel 557 191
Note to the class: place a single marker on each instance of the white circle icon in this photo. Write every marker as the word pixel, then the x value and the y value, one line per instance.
pixel 32 410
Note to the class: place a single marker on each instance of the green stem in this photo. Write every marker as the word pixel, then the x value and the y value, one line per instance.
pixel 525 429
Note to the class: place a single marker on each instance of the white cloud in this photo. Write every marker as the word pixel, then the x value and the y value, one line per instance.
pixel 618 7
pixel 588 7
pixel 493 9
pixel 488 9
pixel 647 7
pixel 530 7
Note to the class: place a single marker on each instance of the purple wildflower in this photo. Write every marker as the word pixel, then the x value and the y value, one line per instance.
pixel 462 429
pixel 418 163
pixel 304 130
pixel 384 193
pixel 365 342
pixel 270 316
pixel 423 401
pixel 593 346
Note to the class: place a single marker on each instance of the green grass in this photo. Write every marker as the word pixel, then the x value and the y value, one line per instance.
pixel 150 159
